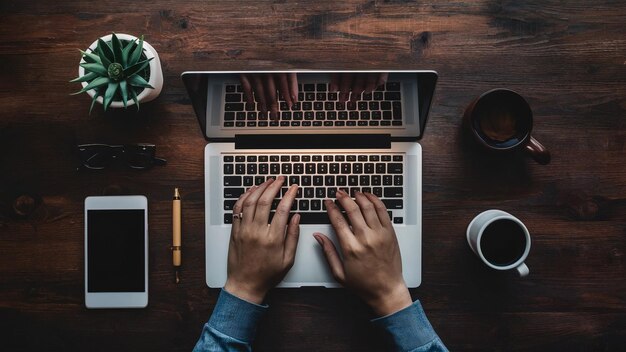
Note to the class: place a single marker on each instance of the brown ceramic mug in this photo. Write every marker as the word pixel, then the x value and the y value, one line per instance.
pixel 501 120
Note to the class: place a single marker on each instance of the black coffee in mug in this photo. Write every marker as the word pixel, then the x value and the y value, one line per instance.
pixel 503 242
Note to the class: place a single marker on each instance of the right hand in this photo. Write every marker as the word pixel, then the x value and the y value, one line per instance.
pixel 371 264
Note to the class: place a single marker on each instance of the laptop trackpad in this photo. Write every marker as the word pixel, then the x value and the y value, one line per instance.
pixel 310 267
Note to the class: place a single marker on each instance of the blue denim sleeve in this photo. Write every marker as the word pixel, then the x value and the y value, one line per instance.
pixel 232 325
pixel 409 330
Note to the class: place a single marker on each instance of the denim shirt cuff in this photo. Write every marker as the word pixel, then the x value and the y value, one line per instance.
pixel 408 328
pixel 236 317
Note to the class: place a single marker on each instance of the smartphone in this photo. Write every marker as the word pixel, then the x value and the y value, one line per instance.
pixel 116 252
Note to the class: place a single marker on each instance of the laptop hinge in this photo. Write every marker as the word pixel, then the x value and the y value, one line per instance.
pixel 313 141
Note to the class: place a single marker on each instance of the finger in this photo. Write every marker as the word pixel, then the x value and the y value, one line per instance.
pixel 283 87
pixel 259 93
pixel 381 210
pixel 332 257
pixel 352 210
pixel 238 208
pixel 291 239
pixel 368 211
pixel 358 86
pixel 345 84
pixel 247 88
pixel 249 205
pixel 264 204
pixel 370 83
pixel 345 236
pixel 382 78
pixel 334 82
pixel 270 96
pixel 284 207
pixel 293 86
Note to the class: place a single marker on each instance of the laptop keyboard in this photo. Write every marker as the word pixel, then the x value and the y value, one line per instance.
pixel 317 107
pixel 319 177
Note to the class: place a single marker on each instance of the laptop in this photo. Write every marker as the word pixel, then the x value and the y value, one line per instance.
pixel 321 144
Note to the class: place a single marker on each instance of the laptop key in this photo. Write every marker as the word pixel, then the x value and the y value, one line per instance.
pixel 232 180
pixel 229 204
pixel 316 204
pixel 303 204
pixel 233 107
pixel 393 203
pixel 392 96
pixel 397 180
pixel 393 192
pixel 232 98
pixel 394 168
pixel 233 192
pixel 231 88
pixel 228 218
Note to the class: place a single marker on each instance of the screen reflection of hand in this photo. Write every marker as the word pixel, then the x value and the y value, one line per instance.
pixel 264 88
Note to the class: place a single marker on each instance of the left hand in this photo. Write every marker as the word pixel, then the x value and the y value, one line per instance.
pixel 261 254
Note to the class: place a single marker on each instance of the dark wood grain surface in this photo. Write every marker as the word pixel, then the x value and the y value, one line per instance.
pixel 568 58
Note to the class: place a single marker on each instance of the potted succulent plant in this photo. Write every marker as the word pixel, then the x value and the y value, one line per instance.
pixel 120 70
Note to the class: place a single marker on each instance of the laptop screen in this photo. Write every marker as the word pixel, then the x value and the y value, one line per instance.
pixel 231 103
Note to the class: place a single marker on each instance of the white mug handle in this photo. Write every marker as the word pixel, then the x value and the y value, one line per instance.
pixel 522 270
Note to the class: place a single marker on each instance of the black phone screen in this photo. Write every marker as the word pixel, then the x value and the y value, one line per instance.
pixel 115 250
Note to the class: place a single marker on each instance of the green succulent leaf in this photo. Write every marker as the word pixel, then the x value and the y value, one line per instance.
pixel 93 101
pixel 117 50
pixel 110 93
pixel 100 81
pixel 134 95
pixel 90 57
pixel 106 54
pixel 138 81
pixel 96 68
pixel 87 77
pixel 131 70
pixel 134 57
pixel 126 51
pixel 124 91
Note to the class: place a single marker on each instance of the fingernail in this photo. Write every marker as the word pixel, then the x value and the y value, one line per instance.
pixel 294 98
pixel 318 239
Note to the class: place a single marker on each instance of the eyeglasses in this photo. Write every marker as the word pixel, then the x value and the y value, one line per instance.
pixel 137 156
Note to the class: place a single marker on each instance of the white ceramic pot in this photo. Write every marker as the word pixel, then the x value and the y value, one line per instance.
pixel 156 74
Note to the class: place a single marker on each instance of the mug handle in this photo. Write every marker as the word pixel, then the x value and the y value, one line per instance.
pixel 522 270
pixel 537 151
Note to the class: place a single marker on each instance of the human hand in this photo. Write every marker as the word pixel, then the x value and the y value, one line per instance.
pixel 356 83
pixel 261 254
pixel 263 88
pixel 371 264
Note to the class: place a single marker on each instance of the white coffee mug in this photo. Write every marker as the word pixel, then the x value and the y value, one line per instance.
pixel 477 227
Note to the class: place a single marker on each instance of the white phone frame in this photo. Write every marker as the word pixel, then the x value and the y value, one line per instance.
pixel 117 299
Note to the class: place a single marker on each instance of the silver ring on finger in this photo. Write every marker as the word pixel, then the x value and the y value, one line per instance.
pixel 238 216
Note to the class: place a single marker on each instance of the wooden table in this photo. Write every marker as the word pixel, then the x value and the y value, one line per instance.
pixel 568 59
